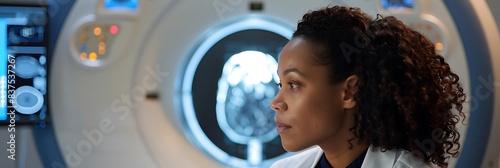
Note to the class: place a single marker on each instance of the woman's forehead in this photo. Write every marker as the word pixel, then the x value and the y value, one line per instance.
pixel 301 51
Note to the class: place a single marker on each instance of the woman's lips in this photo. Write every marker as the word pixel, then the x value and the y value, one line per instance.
pixel 281 127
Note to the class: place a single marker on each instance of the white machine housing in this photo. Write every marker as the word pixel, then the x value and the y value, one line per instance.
pixel 103 118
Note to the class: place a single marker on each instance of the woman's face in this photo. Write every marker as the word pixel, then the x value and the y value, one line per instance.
pixel 310 110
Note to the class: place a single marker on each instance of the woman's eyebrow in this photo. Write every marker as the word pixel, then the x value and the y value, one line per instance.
pixel 290 70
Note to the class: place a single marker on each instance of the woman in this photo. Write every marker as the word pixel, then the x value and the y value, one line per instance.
pixel 365 93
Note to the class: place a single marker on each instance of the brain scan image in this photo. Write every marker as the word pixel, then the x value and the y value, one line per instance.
pixel 227 88
pixel 246 88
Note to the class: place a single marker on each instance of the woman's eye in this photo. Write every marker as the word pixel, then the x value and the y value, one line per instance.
pixel 293 85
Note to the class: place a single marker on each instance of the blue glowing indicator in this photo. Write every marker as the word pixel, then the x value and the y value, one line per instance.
pixel 397 3
pixel 3 69
pixel 128 5
pixel 83 48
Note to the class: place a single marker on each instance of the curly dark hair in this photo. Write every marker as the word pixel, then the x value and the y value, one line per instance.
pixel 406 93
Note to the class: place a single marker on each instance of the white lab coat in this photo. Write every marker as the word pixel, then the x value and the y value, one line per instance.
pixel 373 159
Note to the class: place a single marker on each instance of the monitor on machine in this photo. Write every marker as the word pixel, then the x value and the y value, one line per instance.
pixel 23 64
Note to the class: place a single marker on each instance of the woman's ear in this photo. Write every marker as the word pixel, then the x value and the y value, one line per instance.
pixel 350 89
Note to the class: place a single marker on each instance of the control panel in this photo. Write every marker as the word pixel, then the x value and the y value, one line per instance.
pixel 92 42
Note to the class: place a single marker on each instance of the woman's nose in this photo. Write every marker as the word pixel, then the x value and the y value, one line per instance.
pixel 278 105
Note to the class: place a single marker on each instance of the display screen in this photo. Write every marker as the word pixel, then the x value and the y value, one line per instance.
pixel 3 69
pixel 23 64
pixel 128 5
pixel 397 4
pixel 231 89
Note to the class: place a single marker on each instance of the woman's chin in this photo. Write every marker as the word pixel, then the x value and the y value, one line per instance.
pixel 290 147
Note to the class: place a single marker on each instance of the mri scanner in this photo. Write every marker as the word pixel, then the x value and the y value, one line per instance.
pixel 169 83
